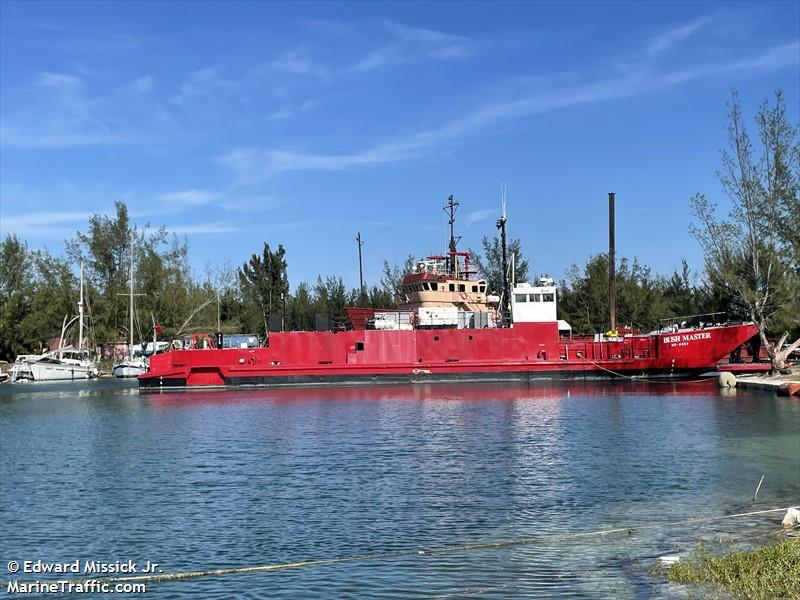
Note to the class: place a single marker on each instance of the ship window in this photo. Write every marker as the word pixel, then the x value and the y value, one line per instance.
pixel 474 288
pixel 452 287
pixel 549 297
pixel 426 286
pixel 359 346
pixel 520 297
pixel 434 286
pixel 461 287
pixel 436 338
pixel 483 288
pixel 536 297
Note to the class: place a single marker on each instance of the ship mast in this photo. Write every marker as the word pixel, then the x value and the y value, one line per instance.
pixel 361 293
pixel 452 259
pixel 501 225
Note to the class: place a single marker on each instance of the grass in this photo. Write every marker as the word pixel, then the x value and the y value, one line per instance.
pixel 768 572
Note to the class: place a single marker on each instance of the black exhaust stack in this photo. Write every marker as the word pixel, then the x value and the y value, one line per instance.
pixel 612 283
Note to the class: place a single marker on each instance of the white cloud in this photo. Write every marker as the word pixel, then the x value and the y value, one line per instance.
pixel 42 224
pixel 58 80
pixel 187 198
pixel 64 113
pixel 412 44
pixel 202 229
pixel 250 163
pixel 142 85
pixel 480 215
pixel 203 82
pixel 663 42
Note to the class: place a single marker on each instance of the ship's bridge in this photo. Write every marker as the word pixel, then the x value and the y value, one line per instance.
pixel 537 303
pixel 433 283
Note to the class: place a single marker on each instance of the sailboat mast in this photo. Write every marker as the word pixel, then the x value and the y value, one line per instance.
pixel 130 346
pixel 80 313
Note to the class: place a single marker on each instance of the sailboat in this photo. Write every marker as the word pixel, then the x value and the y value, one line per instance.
pixel 67 363
pixel 133 365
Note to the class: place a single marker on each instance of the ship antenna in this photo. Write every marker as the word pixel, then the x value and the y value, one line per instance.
pixel 501 225
pixel 450 208
pixel 361 292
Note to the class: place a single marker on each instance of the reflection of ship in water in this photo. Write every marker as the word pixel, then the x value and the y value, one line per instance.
pixel 444 392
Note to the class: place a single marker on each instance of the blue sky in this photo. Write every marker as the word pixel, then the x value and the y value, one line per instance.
pixel 239 123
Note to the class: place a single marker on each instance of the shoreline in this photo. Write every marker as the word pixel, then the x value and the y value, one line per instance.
pixel 770 383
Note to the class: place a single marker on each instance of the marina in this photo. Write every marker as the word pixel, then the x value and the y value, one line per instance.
pixel 400 301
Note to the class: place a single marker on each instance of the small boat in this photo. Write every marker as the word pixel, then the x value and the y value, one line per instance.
pixel 134 365
pixel 66 363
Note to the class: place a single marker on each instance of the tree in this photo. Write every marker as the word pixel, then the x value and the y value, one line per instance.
pixel 36 292
pixel 489 265
pixel 392 279
pixel 583 297
pixel 264 282
pixel 752 253
pixel 16 291
pixel 104 252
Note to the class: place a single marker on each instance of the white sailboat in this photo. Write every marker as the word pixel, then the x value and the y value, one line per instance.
pixel 132 366
pixel 67 363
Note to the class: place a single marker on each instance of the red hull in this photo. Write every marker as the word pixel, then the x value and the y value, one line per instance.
pixel 526 351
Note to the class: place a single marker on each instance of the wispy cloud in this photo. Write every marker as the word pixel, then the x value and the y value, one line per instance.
pixel 477 216
pixel 202 229
pixel 664 41
pixel 42 224
pixel 252 163
pixel 202 83
pixel 63 113
pixel 85 39
pixel 413 44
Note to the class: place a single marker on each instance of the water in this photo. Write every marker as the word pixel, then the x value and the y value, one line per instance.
pixel 217 479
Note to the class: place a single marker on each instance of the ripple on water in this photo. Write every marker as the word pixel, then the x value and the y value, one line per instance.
pixel 219 479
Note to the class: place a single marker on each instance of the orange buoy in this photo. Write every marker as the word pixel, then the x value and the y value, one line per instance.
pixel 789 389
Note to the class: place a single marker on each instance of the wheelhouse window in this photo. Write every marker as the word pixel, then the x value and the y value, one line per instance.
pixel 426 286
pixel 452 287
pixel 434 286
pixel 536 297
pixel 483 288
pixel 520 298
pixel 549 297
pixel 474 288
pixel 461 287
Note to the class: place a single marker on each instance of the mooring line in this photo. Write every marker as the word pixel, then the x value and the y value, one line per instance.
pixel 634 378
pixel 420 552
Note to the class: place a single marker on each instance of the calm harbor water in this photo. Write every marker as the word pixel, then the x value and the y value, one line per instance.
pixel 203 480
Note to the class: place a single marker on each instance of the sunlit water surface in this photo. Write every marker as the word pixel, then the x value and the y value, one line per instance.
pixel 204 480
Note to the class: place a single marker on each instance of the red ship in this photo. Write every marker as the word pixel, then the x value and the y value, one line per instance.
pixel 448 327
